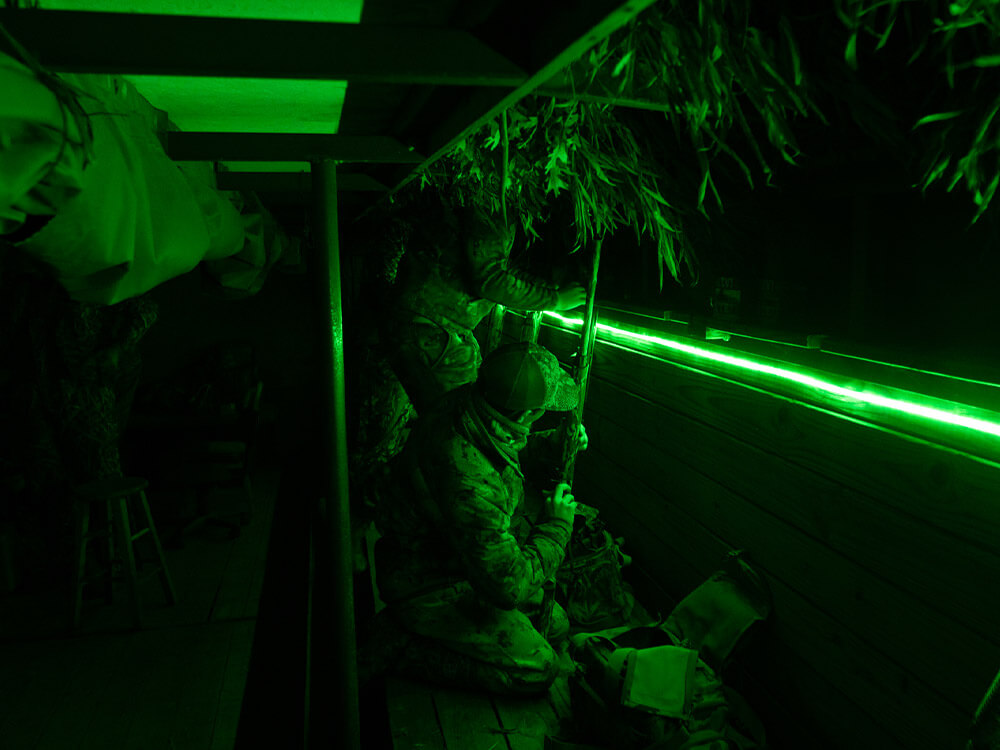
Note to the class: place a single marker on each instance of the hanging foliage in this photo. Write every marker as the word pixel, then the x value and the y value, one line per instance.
pixel 703 66
pixel 638 128
pixel 960 41
pixel 710 71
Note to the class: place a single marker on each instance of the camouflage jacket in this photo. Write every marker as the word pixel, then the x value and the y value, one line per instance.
pixel 452 511
pixel 458 273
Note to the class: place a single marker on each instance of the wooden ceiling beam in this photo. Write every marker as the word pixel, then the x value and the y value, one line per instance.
pixel 148 44
pixel 375 149
pixel 562 35
pixel 293 182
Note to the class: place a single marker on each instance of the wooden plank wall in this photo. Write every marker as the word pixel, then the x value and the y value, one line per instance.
pixel 881 550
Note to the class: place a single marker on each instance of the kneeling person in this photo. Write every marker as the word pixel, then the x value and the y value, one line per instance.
pixel 458 565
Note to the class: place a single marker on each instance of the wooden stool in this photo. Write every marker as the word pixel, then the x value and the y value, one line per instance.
pixel 114 495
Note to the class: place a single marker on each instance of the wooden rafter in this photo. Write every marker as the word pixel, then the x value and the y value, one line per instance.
pixel 185 146
pixel 139 43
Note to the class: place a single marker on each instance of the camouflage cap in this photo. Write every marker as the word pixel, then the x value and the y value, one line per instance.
pixel 523 376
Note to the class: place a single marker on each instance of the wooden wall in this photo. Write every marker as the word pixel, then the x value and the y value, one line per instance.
pixel 881 550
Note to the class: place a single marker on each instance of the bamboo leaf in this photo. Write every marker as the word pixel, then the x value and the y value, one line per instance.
pixel 981 134
pixel 851 52
pixel 655 195
pixel 622 63
pixel 793 51
pixel 936 172
pixel 658 218
pixel 702 188
pixel 987 197
pixel 885 35
pixel 937 117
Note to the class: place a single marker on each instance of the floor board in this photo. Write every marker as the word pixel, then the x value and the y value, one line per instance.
pixel 472 721
pixel 526 721
pixel 468 721
pixel 412 716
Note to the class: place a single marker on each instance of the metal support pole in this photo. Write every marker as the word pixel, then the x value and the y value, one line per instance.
pixel 531 327
pixel 588 336
pixel 334 619
pixel 495 333
pixel 570 444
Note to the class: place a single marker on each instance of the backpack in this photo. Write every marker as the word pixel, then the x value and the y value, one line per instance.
pixel 657 687
pixel 589 583
pixel 700 714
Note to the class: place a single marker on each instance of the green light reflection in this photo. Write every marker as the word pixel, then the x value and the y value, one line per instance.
pixel 856 397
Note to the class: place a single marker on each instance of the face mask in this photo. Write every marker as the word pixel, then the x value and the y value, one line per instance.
pixel 505 435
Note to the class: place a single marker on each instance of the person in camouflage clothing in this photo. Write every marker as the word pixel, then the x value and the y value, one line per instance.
pixel 453 274
pixel 460 565
pixel 452 277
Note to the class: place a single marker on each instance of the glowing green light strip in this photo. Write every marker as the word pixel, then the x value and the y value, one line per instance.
pixel 856 396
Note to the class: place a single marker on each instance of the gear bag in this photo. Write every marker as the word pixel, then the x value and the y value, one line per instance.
pixel 589 583
pixel 658 687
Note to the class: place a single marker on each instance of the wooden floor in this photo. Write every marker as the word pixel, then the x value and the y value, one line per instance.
pixel 176 683
pixel 424 717
pixel 433 718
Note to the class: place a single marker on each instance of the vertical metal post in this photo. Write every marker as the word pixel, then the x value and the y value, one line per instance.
pixel 570 445
pixel 531 327
pixel 588 336
pixel 333 522
pixel 495 333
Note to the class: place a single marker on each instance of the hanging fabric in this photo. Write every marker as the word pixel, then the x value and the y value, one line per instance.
pixel 45 145
pixel 243 274
pixel 112 217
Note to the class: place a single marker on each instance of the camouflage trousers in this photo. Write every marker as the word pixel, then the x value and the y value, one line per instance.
pixel 461 640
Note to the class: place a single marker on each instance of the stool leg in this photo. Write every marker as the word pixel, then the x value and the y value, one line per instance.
pixel 168 585
pixel 80 558
pixel 128 560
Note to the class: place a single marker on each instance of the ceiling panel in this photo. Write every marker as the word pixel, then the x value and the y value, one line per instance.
pixel 341 11
pixel 249 105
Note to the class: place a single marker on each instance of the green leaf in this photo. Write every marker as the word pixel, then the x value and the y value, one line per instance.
pixel 658 218
pixel 936 172
pixel 702 188
pixel 885 35
pixel 655 195
pixel 937 117
pixel 851 53
pixel 793 51
pixel 622 63
pixel 987 197
pixel 600 173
